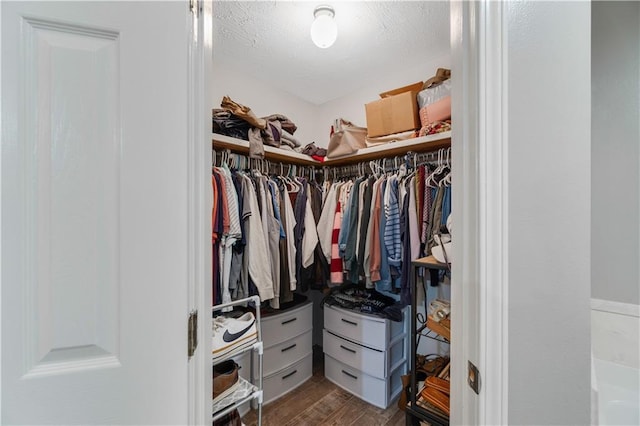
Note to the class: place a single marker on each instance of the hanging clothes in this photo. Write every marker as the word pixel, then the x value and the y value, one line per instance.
pixel 264 236
pixel 256 249
pixel 276 235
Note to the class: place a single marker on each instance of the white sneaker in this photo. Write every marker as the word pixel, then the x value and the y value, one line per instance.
pixel 233 333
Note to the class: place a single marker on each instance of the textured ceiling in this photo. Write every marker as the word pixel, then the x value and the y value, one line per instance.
pixel 270 41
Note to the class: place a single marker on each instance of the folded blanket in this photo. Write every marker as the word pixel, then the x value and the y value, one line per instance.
pixel 288 136
pixel 225 123
pixel 285 123
pixel 243 112
pixel 410 134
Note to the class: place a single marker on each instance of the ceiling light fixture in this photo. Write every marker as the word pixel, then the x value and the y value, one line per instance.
pixel 324 30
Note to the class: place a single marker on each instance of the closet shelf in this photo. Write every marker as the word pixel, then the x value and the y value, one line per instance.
pixel 424 331
pixel 243 393
pixel 221 142
pixel 256 347
pixel 429 262
pixel 424 144
pixel 415 412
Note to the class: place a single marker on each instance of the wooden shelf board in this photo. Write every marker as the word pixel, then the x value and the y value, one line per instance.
pixel 429 262
pixel 222 142
pixel 424 144
pixel 392 149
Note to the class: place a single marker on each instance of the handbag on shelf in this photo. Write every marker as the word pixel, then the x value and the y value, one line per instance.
pixel 427 366
pixel 437 398
pixel 430 365
pixel 439 384
pixel 347 139
pixel 436 392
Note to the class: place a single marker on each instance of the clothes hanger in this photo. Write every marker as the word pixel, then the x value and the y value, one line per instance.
pixel 430 180
pixel 413 166
pixel 292 186
pixel 446 180
pixel 375 169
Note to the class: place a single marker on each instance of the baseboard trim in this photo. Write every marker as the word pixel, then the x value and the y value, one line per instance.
pixel 614 307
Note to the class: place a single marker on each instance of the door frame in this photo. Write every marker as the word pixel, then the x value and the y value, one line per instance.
pixel 199 202
pixel 480 211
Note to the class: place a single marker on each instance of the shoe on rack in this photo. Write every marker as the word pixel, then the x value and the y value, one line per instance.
pixel 225 379
pixel 233 333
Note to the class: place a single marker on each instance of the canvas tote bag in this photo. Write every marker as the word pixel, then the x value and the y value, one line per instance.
pixel 348 139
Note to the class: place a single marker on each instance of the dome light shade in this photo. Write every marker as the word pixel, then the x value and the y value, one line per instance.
pixel 324 30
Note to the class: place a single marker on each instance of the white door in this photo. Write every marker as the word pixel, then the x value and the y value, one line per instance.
pixel 94 212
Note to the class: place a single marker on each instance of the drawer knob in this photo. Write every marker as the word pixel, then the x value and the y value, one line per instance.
pixel 289 347
pixel 348 349
pixel 289 320
pixel 349 374
pixel 349 322
pixel 289 375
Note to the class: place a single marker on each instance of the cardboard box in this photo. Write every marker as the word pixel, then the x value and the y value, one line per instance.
pixel 393 114
pixel 415 87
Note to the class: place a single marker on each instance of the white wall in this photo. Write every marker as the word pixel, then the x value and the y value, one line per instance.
pixel 351 106
pixel 548 117
pixel 615 149
pixel 313 121
pixel 264 99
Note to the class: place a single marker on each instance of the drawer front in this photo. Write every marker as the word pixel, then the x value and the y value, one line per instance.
pixel 397 354
pixel 370 331
pixel 395 383
pixel 397 328
pixel 369 388
pixel 276 385
pixel 369 361
pixel 278 328
pixel 286 353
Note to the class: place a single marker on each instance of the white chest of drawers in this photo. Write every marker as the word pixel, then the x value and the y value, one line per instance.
pixel 365 354
pixel 287 359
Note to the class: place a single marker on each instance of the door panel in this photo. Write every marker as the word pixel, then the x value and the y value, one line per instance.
pixel 73 241
pixel 94 212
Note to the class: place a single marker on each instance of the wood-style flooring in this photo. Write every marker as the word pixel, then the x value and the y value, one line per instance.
pixel 320 402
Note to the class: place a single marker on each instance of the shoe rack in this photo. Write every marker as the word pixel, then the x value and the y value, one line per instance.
pixel 247 390
pixel 434 410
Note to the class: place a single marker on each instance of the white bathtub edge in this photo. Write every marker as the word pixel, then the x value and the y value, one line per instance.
pixel 615 332
pixel 614 307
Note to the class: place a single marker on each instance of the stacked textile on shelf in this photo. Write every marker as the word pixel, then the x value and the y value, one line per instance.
pixel 434 101
pixel 369 301
pixel 239 121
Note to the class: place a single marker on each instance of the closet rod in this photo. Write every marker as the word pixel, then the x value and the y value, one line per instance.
pixel 392 149
pixel 221 143
pixel 411 160
pixel 242 162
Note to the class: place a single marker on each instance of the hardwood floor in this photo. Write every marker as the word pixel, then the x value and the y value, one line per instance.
pixel 320 402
